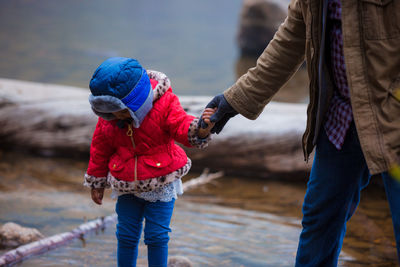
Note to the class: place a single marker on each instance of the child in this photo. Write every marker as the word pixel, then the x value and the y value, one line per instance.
pixel 134 153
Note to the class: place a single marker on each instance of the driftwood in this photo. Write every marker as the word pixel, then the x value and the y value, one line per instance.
pixel 53 119
pixel 52 242
pixel 204 178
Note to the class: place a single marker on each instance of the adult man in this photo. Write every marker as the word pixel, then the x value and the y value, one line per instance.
pixel 352 50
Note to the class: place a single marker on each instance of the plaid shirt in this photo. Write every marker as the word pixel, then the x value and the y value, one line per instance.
pixel 339 115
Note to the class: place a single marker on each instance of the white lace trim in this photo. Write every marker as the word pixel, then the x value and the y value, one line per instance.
pixel 164 194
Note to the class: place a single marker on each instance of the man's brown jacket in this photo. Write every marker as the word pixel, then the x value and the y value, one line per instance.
pixel 371 37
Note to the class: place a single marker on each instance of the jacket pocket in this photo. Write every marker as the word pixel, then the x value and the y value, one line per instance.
pixel 116 164
pixel 381 19
pixel 159 161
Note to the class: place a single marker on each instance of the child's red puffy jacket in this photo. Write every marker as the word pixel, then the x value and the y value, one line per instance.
pixel 131 154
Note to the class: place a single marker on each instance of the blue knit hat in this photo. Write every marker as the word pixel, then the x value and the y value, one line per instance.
pixel 121 83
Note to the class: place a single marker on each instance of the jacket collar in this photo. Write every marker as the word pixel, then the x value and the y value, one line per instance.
pixel 163 83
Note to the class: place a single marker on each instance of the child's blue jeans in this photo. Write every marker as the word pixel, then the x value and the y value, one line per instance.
pixel 131 210
pixel 333 193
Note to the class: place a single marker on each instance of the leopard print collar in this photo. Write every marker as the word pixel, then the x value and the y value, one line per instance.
pixel 163 83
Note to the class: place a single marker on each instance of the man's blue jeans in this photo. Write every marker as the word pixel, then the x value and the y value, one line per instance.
pixel 333 194
pixel 131 211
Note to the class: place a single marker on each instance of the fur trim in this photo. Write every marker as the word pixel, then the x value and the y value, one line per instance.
pixel 95 182
pixel 104 105
pixel 163 83
pixel 194 139
pixel 121 186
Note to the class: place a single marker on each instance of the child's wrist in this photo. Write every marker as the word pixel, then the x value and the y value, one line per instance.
pixel 203 133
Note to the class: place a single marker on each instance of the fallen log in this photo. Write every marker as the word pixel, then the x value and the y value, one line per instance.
pixel 52 242
pixel 204 178
pixel 53 119
pixel 22 252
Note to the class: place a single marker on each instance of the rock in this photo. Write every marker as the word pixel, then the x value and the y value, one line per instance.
pixel 259 21
pixel 14 235
pixel 179 261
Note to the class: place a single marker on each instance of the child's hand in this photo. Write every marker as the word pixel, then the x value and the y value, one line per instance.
pixel 208 112
pixel 97 195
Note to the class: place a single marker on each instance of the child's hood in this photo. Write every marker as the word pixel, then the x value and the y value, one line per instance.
pixel 121 83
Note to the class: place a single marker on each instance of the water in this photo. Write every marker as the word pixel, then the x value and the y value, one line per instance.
pixel 213 236
pixel 193 42
pixel 248 223
pixel 62 42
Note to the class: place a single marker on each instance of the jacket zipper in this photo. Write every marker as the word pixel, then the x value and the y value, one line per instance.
pixel 130 134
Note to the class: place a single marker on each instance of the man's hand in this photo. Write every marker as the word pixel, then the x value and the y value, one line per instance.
pixel 224 112
pixel 97 195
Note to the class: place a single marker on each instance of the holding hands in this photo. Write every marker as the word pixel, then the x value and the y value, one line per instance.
pixel 224 111
pixel 205 118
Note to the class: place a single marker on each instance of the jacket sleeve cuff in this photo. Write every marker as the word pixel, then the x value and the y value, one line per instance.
pixel 241 103
pixel 95 182
pixel 194 139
